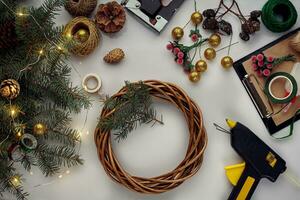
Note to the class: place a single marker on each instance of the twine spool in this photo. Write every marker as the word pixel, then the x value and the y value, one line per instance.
pixel 186 169
pixel 295 42
pixel 279 15
pixel 80 7
pixel 86 47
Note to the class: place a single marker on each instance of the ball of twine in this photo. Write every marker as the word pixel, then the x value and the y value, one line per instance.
pixel 295 42
pixel 193 158
pixel 279 15
pixel 86 47
pixel 80 7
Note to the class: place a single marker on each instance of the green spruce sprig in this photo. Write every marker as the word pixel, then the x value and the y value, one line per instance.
pixel 278 61
pixel 129 110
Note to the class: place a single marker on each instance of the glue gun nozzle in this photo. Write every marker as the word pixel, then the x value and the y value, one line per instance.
pixel 231 123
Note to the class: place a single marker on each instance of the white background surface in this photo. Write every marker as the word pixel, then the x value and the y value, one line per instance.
pixel 153 151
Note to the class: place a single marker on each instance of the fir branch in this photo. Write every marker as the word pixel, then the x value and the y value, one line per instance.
pixel 53 156
pixel 278 61
pixel 131 109
pixel 46 96
pixel 6 172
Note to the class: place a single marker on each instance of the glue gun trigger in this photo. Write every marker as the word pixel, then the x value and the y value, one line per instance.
pixel 234 172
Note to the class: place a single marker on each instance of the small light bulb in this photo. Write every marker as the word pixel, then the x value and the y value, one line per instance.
pixel 68 172
pixel 15 181
pixel 41 52
pixel 20 14
pixel 31 173
pixel 60 176
pixel 59 48
pixel 69 35
pixel 19 134
pixel 87 132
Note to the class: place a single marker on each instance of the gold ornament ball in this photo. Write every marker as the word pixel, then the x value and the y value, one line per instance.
pixel 82 35
pixel 39 129
pixel 10 89
pixel 196 18
pixel 227 62
pixel 194 76
pixel 214 40
pixel 177 33
pixel 201 66
pixel 210 53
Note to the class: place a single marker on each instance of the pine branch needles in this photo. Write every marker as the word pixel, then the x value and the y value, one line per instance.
pixel 129 110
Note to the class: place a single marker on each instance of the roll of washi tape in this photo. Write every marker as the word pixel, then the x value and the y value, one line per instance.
pixel 88 78
pixel 279 15
pixel 15 153
pixel 28 142
pixel 289 79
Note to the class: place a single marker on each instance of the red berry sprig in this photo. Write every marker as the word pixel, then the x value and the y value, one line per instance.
pixel 263 65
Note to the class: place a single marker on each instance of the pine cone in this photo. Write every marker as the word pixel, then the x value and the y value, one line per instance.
pixel 225 26
pixel 210 24
pixel 8 36
pixel 110 17
pixel 209 13
pixel 114 56
pixel 248 27
pixel 10 89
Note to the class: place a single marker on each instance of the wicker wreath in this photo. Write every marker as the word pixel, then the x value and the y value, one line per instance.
pixel 186 169
pixel 87 47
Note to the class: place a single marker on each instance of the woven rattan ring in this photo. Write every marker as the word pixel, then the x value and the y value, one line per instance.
pixel 80 7
pixel 186 169
pixel 86 47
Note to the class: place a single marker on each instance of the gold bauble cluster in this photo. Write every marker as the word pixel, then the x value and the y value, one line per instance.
pixel 177 33
pixel 210 53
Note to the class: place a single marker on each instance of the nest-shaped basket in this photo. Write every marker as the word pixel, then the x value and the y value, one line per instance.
pixel 86 47
pixel 186 169
pixel 80 7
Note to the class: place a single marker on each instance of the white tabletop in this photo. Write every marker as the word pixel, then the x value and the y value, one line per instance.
pixel 153 151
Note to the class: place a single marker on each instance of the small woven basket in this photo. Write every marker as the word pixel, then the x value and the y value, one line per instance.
pixel 87 47
pixel 80 7
pixel 186 169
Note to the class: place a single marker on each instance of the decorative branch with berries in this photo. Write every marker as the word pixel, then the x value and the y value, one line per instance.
pixel 214 20
pixel 263 65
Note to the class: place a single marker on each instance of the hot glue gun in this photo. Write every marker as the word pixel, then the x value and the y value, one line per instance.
pixel 260 162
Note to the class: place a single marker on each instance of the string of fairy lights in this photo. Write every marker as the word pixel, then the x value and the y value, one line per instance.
pixel 14 111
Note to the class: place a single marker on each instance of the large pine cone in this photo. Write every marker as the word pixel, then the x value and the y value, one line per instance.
pixel 10 89
pixel 110 17
pixel 8 36
pixel 80 7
